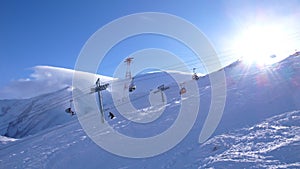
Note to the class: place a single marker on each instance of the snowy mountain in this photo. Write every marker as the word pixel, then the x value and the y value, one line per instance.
pixel 27 117
pixel 260 126
pixel 24 117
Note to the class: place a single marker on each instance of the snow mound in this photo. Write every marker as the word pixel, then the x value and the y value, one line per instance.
pixel 5 140
pixel 273 143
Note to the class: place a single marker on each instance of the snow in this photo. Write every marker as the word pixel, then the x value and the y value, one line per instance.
pixel 260 126
pixel 271 143
pixel 5 140
pixel 26 117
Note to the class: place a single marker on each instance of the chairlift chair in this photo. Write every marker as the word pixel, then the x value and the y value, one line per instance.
pixel 182 89
pixel 195 76
pixel 69 109
pixel 132 86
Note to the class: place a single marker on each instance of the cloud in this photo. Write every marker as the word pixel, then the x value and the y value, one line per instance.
pixel 44 79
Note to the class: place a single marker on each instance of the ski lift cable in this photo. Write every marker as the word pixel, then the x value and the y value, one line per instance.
pixel 55 128
pixel 227 56
pixel 137 98
pixel 133 100
pixel 192 62
pixel 61 101
pixel 146 95
pixel 111 107
pixel 41 109
pixel 147 78
pixel 58 102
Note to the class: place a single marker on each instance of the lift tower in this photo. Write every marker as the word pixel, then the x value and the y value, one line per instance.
pixel 128 71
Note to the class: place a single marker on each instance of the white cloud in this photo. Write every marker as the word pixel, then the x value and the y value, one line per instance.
pixel 44 79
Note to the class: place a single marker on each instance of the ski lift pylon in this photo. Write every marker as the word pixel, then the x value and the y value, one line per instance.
pixel 98 85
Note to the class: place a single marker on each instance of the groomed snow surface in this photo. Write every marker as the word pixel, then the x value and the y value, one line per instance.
pixel 260 127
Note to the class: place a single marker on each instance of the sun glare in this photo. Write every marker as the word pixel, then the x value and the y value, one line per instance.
pixel 264 44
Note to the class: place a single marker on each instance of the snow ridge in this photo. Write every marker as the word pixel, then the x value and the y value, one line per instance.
pixel 270 144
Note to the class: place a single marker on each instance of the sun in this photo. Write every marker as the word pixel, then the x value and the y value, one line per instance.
pixel 261 44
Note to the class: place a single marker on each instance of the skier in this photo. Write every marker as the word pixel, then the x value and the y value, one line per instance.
pixel 132 87
pixel 72 113
pixel 111 115
pixel 69 110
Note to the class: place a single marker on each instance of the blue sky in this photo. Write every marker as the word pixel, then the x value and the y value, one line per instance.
pixel 53 32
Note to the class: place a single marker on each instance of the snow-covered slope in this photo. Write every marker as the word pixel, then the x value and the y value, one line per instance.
pixel 260 127
pixel 24 117
pixel 273 143
pixel 21 118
